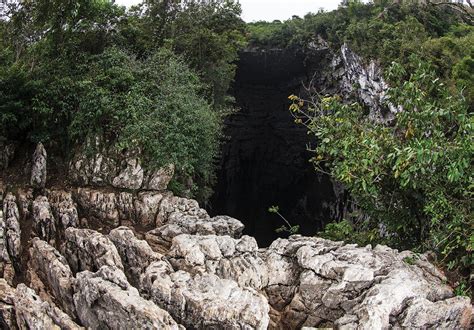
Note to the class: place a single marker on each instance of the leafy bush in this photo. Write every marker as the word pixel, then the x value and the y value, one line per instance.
pixel 413 178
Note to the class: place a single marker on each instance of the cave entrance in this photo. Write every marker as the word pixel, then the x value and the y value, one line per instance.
pixel 265 161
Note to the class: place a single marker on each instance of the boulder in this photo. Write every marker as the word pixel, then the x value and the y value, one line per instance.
pixel 52 268
pixel 106 300
pixel 131 176
pixel 224 256
pixel 315 282
pixel 64 209
pixel 6 267
pixel 86 249
pixel 159 179
pixel 11 216
pixel 146 208
pixel 178 206
pixel 7 305
pixel 177 224
pixel 205 301
pixel 136 254
pixel 38 169
pixel 33 313
pixel 43 221
pixel 100 206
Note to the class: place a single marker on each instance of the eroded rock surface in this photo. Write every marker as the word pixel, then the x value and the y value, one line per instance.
pixel 38 169
pixel 52 269
pixel 178 224
pixel 34 313
pixel 106 300
pixel 198 272
pixel 205 301
pixel 86 249
pixel 12 232
pixel 43 221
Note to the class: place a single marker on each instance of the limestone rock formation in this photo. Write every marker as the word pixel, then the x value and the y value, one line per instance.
pixel 205 301
pixel 86 249
pixel 228 258
pixel 33 313
pixel 6 266
pixel 315 282
pixel 137 254
pixel 178 224
pixel 43 221
pixel 198 271
pixel 64 209
pixel 367 82
pixel 159 179
pixel 11 216
pixel 131 177
pixel 7 305
pixel 52 268
pixel 38 170
pixel 109 167
pixel 146 208
pixel 106 300
pixel 99 206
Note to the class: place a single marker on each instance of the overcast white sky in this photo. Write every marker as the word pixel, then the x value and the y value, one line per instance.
pixel 269 10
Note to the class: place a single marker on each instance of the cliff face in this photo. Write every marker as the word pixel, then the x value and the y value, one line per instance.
pixel 265 160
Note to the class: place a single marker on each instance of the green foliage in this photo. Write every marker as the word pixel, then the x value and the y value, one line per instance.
pixel 462 289
pixel 153 78
pixel 413 177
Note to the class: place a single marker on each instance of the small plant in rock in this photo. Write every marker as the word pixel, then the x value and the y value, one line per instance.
pixel 287 227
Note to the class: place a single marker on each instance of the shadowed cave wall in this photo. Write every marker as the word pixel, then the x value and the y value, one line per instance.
pixel 264 159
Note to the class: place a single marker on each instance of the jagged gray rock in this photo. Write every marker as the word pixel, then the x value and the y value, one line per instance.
pixel 447 314
pixel 146 208
pixel 159 179
pixel 177 224
pixel 131 177
pixel 52 268
pixel 205 301
pixel 7 308
pixel 11 215
pixel 178 206
pixel 6 266
pixel 315 282
pixel 366 81
pixel 106 300
pixel 43 221
pixel 100 206
pixel 38 169
pixel 136 254
pixel 64 209
pixel 228 258
pixel 87 249
pixel 34 313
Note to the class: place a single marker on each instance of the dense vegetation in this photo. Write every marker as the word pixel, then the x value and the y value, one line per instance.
pixel 411 178
pixel 155 77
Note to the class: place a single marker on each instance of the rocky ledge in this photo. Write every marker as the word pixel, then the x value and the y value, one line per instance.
pixel 106 258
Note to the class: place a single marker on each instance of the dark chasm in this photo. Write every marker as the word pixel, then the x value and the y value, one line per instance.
pixel 264 159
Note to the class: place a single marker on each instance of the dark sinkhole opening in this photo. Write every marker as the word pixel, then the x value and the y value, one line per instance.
pixel 264 160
